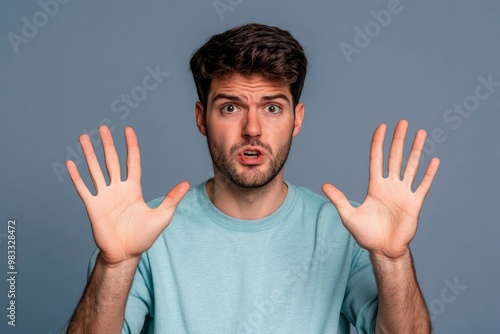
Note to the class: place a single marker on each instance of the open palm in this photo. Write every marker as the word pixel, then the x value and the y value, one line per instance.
pixel 386 221
pixel 123 225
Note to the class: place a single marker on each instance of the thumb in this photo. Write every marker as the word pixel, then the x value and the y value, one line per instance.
pixel 162 215
pixel 174 196
pixel 338 199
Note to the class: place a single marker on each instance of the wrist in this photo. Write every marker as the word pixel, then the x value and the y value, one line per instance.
pixel 121 266
pixel 382 261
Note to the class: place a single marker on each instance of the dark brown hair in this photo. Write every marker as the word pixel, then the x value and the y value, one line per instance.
pixel 250 49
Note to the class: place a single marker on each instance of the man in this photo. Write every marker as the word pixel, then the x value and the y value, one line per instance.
pixel 246 252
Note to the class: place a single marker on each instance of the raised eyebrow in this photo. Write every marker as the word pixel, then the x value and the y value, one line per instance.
pixel 221 96
pixel 274 97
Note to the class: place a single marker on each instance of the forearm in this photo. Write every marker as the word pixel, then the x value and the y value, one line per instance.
pixel 401 306
pixel 102 306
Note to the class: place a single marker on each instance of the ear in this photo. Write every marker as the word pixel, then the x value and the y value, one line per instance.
pixel 299 118
pixel 200 118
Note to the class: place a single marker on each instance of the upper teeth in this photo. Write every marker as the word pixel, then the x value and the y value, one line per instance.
pixel 248 152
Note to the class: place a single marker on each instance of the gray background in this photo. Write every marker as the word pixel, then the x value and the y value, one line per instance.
pixel 64 78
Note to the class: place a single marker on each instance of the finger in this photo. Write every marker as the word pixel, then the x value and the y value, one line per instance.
pixel 110 155
pixel 411 168
pixel 174 196
pixel 80 186
pixel 377 152
pixel 92 163
pixel 338 199
pixel 397 147
pixel 133 156
pixel 428 178
pixel 167 207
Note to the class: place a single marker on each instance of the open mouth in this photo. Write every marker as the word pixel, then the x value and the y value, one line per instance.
pixel 251 153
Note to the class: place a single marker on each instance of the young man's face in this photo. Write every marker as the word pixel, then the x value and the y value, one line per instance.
pixel 249 124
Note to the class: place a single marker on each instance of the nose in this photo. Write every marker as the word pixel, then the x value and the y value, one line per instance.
pixel 251 124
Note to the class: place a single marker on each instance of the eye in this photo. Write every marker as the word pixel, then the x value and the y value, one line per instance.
pixel 273 108
pixel 229 108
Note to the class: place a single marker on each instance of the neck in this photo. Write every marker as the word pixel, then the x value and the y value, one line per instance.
pixel 245 203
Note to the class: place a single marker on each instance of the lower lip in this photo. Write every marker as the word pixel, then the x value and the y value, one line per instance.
pixel 252 160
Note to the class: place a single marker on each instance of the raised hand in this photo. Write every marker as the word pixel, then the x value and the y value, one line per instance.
pixel 386 221
pixel 123 225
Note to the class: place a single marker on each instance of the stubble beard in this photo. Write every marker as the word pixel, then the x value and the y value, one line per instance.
pixel 251 177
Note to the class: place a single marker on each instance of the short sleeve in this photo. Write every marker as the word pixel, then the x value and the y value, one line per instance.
pixel 139 302
pixel 361 297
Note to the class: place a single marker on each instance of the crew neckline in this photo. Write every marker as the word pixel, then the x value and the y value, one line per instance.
pixel 245 225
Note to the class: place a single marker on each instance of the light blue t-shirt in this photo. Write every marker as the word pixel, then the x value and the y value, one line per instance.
pixel 295 271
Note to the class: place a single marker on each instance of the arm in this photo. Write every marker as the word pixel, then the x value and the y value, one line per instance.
pixel 401 306
pixel 102 306
pixel 123 226
pixel 385 224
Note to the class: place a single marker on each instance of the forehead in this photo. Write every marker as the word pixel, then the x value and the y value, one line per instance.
pixel 247 86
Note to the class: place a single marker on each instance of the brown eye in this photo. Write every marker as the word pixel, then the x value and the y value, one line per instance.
pixel 229 108
pixel 273 109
